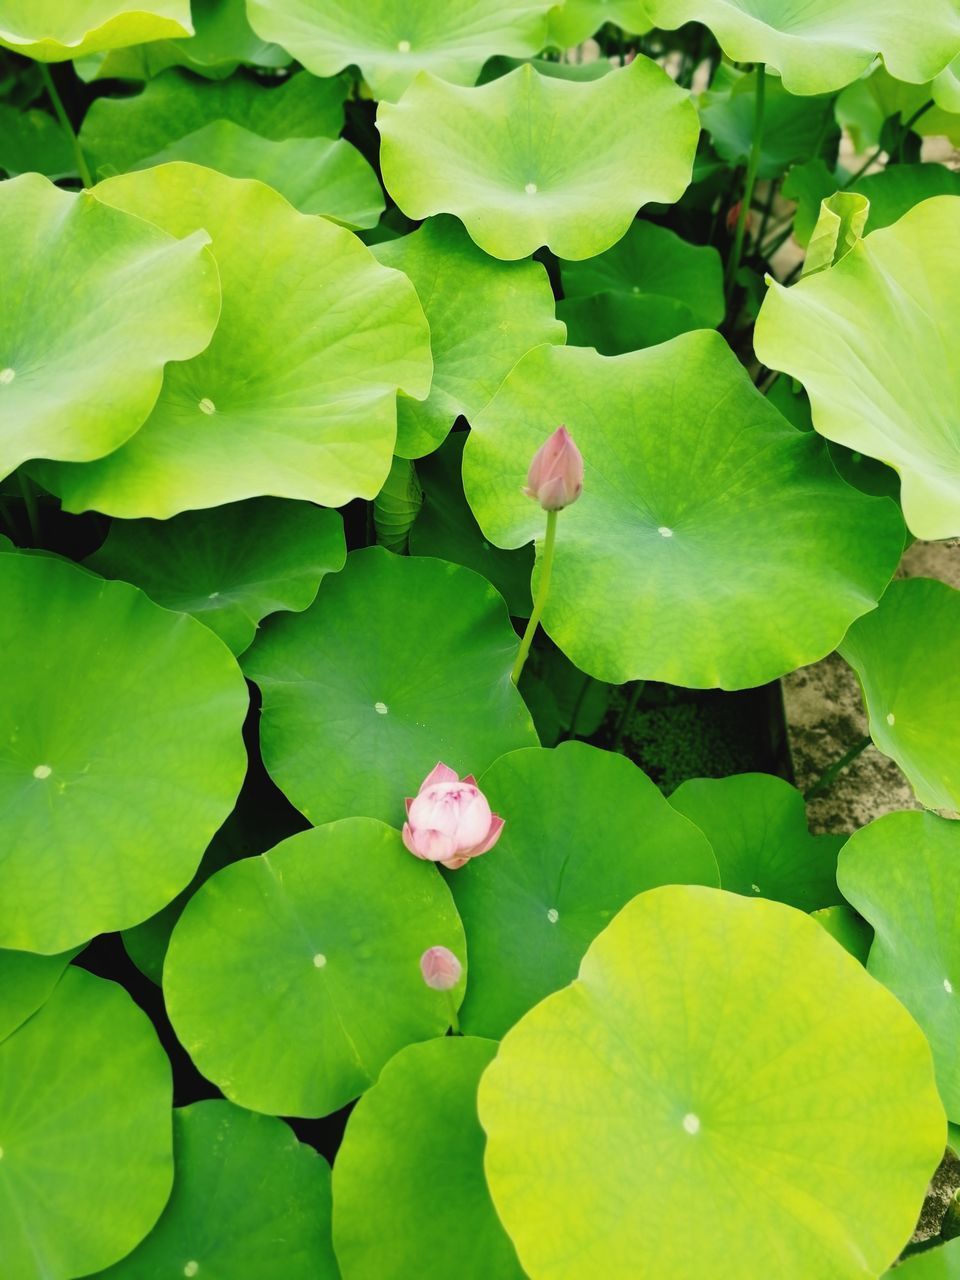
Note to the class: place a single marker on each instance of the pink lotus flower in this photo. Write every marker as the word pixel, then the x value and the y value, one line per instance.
pixel 555 478
pixel 450 821
pixel 440 968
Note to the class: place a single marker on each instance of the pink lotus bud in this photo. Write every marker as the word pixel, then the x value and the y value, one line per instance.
pixel 555 478
pixel 450 821
pixel 440 968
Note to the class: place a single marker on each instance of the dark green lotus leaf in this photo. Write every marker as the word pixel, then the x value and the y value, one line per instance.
pixel 902 873
pixel 688 472
pixel 794 128
pixel 327 176
pixel 573 21
pixel 292 978
pixel 907 655
pixel 585 830
pixel 26 982
pixel 399 663
pixel 862 337
pixel 81 367
pixel 391 40
pixel 305 407
pixel 223 41
pixel 409 1190
pixel 52 31
pixel 119 133
pixel 848 928
pixel 85 1163
pixel 939 1263
pixel 530 160
pixel 33 142
pixel 248 1200
pixel 757 825
pixel 725 1045
pixel 650 287
pixel 821 45
pixel 446 528
pixel 124 754
pixel 484 315
pixel 229 567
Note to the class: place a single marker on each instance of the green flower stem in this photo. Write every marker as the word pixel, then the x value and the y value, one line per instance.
pixel 549 544
pixel 82 167
pixel 828 777
pixel 753 164
pixel 30 506
pixel 454 1016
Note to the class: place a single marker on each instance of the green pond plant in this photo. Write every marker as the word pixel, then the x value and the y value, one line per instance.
pixel 429 431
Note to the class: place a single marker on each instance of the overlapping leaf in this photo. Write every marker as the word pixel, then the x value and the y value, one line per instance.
pixel 52 31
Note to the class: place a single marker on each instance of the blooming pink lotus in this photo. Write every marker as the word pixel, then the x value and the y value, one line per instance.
pixel 555 478
pixel 450 821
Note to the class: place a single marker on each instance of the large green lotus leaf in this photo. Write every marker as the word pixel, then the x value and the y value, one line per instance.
pixel 52 30
pixel 304 407
pixel 119 133
pixel 229 567
pixel 223 40
pixel 399 663
pixel 585 831
pixel 292 978
pixel 902 873
pixel 317 175
pixel 122 752
pixel 863 336
pixel 907 655
pixel 529 160
pixel 81 367
pixel 26 982
pixel 573 21
pixel 650 287
pixel 33 142
pixel 391 40
pixel 940 1263
pixel 689 470
pixel 722 1048
pixel 409 1189
pixel 821 45
pixel 248 1200
pixel 849 929
pixel 793 128
pixel 757 825
pixel 484 315
pixel 85 1163
pixel 447 529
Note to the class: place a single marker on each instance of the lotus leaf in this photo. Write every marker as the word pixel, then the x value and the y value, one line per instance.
pixel 530 160
pixel 380 694
pixel 863 336
pixel 391 40
pixel 80 369
pixel 483 314
pixel 53 31
pixel 907 655
pixel 86 1164
pixel 304 407
pixel 902 872
pixel 411 1199
pixel 689 470
pixel 123 754
pixel 723 1044
pixel 316 946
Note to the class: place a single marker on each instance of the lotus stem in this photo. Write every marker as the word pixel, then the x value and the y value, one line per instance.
pixel 543 589
pixel 82 167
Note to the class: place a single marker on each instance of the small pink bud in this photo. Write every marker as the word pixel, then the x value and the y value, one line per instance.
pixel 555 478
pixel 440 968
pixel 449 820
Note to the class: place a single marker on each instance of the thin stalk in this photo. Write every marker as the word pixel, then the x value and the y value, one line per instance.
pixel 82 167
pixel 753 164
pixel 829 776
pixel 874 155
pixel 30 503
pixel 626 714
pixel 578 706
pixel 454 1017
pixel 549 545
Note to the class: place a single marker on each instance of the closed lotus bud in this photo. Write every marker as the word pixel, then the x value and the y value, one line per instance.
pixel 555 478
pixel 440 968
pixel 450 821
